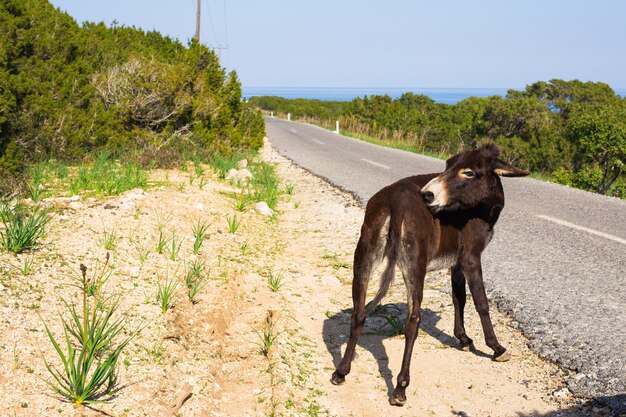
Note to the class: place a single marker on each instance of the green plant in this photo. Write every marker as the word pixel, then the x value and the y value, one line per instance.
pixel 268 335
pixel 161 243
pixel 22 227
pixel 174 247
pixel 392 318
pixel 289 188
pixel 266 182
pixel 197 165
pixel 109 240
pixel 245 248
pixel 233 224
pixel 142 251
pixel 200 230
pixel 275 280
pixel 90 356
pixel 96 282
pixel 182 186
pixel 202 182
pixel 195 279
pixel 241 201
pixel 27 266
pixel 165 293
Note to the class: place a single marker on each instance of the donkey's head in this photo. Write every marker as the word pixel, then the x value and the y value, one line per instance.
pixel 471 177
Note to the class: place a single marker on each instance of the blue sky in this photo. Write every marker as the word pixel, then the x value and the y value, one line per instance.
pixel 395 43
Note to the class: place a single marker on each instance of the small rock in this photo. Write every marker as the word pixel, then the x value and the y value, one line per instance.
pixel 262 208
pixel 239 174
pixel 200 206
pixel 76 205
pixel 242 164
pixel 75 198
pixel 561 393
pixel 331 280
pixel 134 271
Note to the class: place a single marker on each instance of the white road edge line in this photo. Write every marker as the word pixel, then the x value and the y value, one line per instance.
pixel 375 163
pixel 318 141
pixel 582 228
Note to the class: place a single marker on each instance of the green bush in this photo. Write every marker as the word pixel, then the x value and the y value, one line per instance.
pixel 68 90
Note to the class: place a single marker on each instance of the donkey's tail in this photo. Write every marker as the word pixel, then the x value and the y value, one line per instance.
pixel 388 274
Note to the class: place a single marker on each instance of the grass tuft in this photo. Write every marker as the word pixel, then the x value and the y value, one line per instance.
pixel 165 293
pixel 23 226
pixel 200 231
pixel 233 224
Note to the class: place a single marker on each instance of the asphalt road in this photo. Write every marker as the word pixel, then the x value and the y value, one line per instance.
pixel 557 262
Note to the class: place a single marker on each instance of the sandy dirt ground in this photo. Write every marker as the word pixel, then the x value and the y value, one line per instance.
pixel 204 359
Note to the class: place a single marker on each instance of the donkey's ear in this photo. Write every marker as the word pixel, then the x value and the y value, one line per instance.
pixel 506 170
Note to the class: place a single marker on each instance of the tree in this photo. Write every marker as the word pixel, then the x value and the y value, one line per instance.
pixel 600 135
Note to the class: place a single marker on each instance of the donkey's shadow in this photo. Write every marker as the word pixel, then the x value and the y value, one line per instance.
pixel 379 327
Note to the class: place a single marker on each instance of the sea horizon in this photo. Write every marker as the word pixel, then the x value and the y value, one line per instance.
pixel 444 95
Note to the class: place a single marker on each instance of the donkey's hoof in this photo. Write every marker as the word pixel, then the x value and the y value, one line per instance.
pixel 468 347
pixel 503 357
pixel 337 378
pixel 397 399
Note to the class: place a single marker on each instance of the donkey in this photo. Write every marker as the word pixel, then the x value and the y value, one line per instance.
pixel 424 223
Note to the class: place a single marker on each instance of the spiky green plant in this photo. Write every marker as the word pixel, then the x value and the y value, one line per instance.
pixel 275 280
pixel 165 293
pixel 196 278
pixel 200 230
pixel 174 247
pixel 109 240
pixel 90 354
pixel 242 200
pixel 28 265
pixel 22 227
pixel 233 224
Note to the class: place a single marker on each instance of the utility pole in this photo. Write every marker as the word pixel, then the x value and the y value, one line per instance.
pixel 197 37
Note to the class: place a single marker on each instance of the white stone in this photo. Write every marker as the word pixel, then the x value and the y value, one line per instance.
pixel 200 206
pixel 242 164
pixel 76 205
pixel 331 280
pixel 239 174
pixel 134 271
pixel 75 198
pixel 262 208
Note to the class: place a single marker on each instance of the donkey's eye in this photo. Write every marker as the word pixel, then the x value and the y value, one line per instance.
pixel 469 174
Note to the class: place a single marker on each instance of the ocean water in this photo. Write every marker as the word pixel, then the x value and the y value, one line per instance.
pixel 440 95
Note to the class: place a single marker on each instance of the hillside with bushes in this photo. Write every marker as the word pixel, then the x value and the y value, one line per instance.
pixel 574 132
pixel 67 91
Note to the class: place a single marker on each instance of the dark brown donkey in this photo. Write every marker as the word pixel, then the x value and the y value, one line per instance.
pixel 429 222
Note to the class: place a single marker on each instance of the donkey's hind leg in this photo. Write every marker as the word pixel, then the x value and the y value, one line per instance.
pixel 413 266
pixel 369 253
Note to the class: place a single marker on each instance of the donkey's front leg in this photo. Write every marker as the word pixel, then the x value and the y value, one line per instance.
pixel 459 297
pixel 474 275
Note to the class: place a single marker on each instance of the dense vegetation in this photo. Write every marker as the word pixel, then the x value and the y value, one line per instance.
pixel 571 130
pixel 68 91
